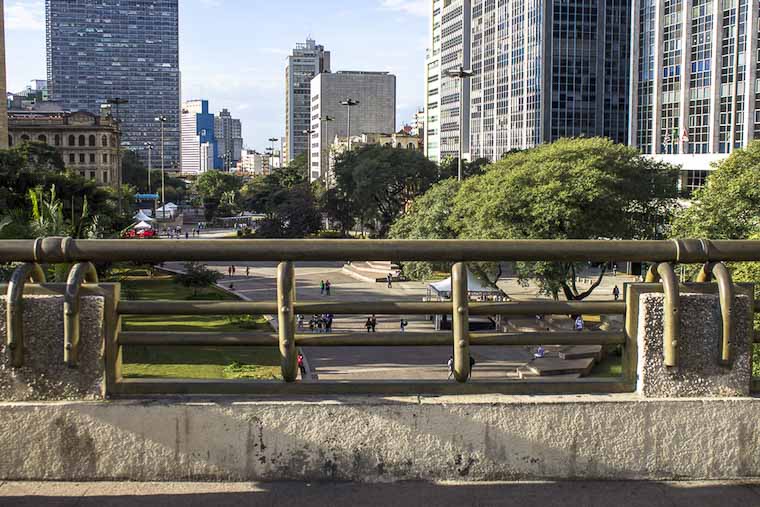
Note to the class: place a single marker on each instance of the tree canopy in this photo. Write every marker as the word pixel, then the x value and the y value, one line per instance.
pixel 375 184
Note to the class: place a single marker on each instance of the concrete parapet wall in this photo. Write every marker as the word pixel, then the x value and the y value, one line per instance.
pixel 382 439
pixel 44 375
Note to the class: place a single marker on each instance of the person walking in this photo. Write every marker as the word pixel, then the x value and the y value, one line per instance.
pixel 322 288
pixel 579 323
pixel 374 323
pixel 368 324
pixel 390 280
pixel 328 285
pixel 300 321
pixel 329 323
pixel 404 323
pixel 301 366
pixel 248 271
pixel 450 365
pixel 472 365
pixel 616 292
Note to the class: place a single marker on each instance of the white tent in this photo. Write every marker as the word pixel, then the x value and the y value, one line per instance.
pixel 142 217
pixel 474 285
pixel 142 226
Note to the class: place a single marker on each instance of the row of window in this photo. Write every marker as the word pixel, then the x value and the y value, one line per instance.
pixel 72 140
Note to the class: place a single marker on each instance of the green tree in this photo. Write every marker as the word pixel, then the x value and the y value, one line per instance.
pixel 291 213
pixel 450 167
pixel 571 189
pixel 375 184
pixel 428 218
pixel 197 276
pixel 219 192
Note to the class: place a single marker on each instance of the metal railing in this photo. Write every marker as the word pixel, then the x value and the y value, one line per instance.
pixel 660 254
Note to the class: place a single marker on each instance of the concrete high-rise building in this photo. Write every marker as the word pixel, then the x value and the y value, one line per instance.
pixel 3 86
pixel 543 69
pixel 695 95
pixel 200 152
pixel 308 60
pixel 450 34
pixel 375 113
pixel 119 49
pixel 229 137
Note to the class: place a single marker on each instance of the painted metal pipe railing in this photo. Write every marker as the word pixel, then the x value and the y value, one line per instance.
pixel 79 274
pixel 15 309
pixel 726 293
pixel 672 319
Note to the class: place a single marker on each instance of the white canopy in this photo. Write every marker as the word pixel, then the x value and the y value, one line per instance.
pixel 143 226
pixel 142 217
pixel 170 207
pixel 474 284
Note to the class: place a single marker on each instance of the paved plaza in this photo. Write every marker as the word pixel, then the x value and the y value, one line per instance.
pixel 256 281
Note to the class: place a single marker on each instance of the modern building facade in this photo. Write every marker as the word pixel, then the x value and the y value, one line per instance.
pixel 229 137
pixel 695 94
pixel 4 140
pixel 126 49
pixel 543 69
pixel 307 60
pixel 254 163
pixel 87 143
pixel 375 112
pixel 200 151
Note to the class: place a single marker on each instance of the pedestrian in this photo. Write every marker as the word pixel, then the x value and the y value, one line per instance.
pixel 300 321
pixel 450 364
pixel 368 324
pixel 540 352
pixel 614 270
pixel 301 366
pixel 390 280
pixel 472 364
pixel 374 323
pixel 616 292
pixel 229 271
pixel 404 323
pixel 322 288
pixel 247 271
pixel 312 325
pixel 233 269
pixel 327 288
pixel 579 323
pixel 329 323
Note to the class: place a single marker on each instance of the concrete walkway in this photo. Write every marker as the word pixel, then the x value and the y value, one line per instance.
pixel 523 494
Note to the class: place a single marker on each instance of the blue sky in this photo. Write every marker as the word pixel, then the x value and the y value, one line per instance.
pixel 233 52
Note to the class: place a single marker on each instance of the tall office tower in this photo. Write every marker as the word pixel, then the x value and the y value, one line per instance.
pixel 547 69
pixel 450 46
pixel 308 60
pixel 375 113
pixel 127 49
pixel 200 152
pixel 3 86
pixel 229 137
pixel 694 93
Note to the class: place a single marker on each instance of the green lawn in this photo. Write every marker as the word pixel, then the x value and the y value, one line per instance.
pixel 192 362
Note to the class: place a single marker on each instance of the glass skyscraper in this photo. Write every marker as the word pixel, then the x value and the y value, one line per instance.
pixel 102 49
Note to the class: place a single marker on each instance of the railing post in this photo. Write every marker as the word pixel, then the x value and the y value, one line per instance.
pixel 460 321
pixel 80 273
pixel 286 297
pixel 726 293
pixel 15 309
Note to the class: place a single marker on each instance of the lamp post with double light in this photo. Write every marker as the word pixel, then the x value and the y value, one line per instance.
pixel 462 74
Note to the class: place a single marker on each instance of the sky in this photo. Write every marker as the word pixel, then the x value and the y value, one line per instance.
pixel 233 52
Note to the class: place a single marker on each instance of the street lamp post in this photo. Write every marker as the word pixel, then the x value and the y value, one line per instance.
pixel 328 173
pixel 149 147
pixel 163 120
pixel 271 156
pixel 349 103
pixel 462 74
pixel 308 133
pixel 116 102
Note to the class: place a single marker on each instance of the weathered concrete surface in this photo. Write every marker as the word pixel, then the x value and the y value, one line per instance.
pixel 44 375
pixel 699 371
pixel 416 493
pixel 382 439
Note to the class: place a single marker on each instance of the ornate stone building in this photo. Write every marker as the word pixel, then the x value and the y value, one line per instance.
pixel 87 143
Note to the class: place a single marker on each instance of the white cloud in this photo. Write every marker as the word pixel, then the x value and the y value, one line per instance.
pixel 414 7
pixel 25 15
pixel 211 3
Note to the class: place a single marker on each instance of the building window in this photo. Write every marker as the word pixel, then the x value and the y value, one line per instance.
pixel 57 140
pixel 81 158
pixel 81 173
pixel 72 141
pixel 10 140
pixel 24 138
pixel 82 140
pixel 411 146
pixel 105 176
pixel 105 158
pixel 104 141
pixel 92 158
pixel 72 160
pixel 92 140
pixel 42 138
pixel 92 175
